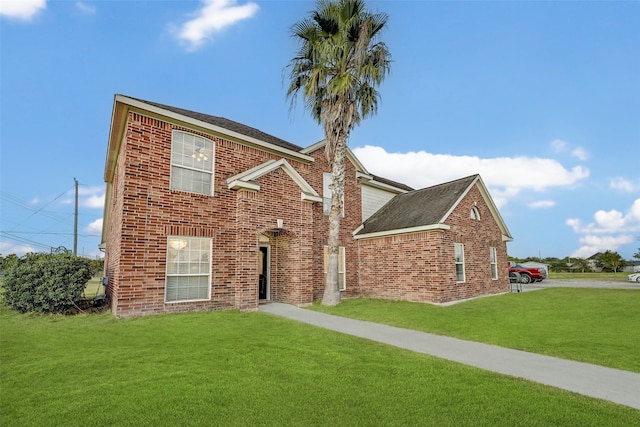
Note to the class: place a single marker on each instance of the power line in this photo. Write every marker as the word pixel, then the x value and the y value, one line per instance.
pixel 25 205
pixel 23 240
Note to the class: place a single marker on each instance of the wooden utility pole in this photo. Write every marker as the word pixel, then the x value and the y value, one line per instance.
pixel 75 223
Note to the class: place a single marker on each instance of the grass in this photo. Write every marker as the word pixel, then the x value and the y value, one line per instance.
pixel 597 326
pixel 230 368
pixel 93 288
pixel 609 277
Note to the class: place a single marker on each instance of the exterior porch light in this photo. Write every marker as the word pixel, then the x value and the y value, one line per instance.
pixel 280 223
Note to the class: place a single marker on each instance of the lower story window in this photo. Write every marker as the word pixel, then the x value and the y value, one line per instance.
pixel 342 282
pixel 459 256
pixel 494 263
pixel 188 269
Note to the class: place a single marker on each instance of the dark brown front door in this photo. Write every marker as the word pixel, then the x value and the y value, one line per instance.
pixel 263 271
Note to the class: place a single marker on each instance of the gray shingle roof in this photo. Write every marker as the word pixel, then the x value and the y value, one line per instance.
pixel 226 124
pixel 417 208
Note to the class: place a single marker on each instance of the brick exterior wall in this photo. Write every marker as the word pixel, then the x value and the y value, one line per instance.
pixel 144 211
pixel 421 266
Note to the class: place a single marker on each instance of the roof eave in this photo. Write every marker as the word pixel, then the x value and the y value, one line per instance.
pixel 409 230
pixel 235 136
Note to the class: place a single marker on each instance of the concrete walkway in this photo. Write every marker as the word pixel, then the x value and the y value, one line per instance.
pixel 615 385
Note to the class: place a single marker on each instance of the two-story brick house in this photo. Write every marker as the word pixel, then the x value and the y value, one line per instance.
pixel 205 213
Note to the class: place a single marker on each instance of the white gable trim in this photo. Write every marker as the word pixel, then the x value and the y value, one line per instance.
pixel 247 180
pixel 506 235
pixel 371 182
pixel 352 157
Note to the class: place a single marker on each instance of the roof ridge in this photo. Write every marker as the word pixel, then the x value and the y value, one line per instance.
pixel 224 122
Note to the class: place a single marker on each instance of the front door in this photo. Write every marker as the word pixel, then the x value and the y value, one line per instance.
pixel 263 272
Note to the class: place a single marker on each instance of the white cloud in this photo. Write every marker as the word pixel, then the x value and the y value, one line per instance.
pixel 624 185
pixel 85 8
pixel 95 227
pixel 591 244
pixel 608 231
pixel 7 248
pixel 94 201
pixel 92 196
pixel 505 176
pixel 542 204
pixel 24 10
pixel 612 221
pixel 214 17
pixel 561 146
pixel 88 197
pixel 580 154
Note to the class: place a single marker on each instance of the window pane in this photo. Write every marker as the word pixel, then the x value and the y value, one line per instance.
pixel 494 263
pixel 188 268
pixel 459 261
pixel 192 163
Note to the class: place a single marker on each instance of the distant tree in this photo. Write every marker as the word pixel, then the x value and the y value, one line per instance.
pixel 558 265
pixel 5 262
pixel 637 254
pixel 580 264
pixel 610 261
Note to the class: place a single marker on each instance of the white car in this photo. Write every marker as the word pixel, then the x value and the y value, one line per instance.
pixel 635 277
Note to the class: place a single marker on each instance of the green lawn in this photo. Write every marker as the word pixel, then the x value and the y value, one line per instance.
pixel 609 277
pixel 599 326
pixel 230 368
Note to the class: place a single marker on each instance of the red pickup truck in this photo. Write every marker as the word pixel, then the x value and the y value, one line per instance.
pixel 527 274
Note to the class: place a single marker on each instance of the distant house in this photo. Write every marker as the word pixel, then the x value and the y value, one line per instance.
pixel 593 262
pixel 206 213
pixel 632 267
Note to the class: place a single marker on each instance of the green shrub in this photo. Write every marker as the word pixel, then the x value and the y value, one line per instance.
pixel 47 283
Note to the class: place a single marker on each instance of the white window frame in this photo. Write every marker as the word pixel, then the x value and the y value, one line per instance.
pixel 342 267
pixel 192 156
pixel 475 214
pixel 188 260
pixel 493 260
pixel 458 250
pixel 327 179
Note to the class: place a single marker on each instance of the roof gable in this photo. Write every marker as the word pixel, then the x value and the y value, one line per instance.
pixel 247 180
pixel 427 208
pixel 226 128
pixel 417 208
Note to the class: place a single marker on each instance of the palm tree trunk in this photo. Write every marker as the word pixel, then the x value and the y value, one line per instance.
pixel 331 289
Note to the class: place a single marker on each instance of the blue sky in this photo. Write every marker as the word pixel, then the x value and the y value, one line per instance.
pixel 541 98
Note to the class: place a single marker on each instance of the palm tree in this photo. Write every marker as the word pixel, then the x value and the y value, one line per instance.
pixel 337 70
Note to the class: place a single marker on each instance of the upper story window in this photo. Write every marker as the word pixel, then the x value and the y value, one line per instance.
pixel 327 179
pixel 191 163
pixel 475 214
